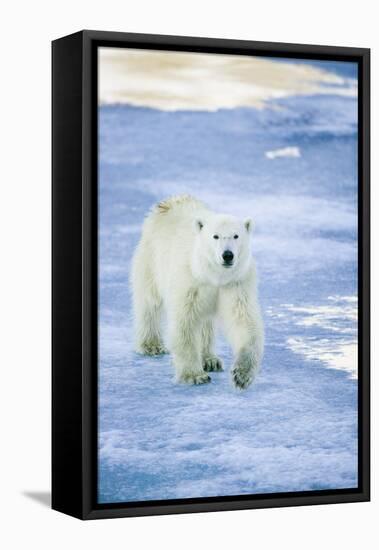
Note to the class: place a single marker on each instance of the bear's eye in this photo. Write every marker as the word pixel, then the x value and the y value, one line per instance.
pixel 236 236
pixel 215 236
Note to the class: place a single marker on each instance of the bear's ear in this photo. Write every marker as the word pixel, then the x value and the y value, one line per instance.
pixel 249 225
pixel 199 225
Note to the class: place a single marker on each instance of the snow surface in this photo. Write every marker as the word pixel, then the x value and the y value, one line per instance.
pixel 295 429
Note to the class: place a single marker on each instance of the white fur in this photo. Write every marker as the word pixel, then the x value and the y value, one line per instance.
pixel 178 267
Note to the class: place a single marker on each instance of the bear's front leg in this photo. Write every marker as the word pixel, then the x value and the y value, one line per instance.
pixel 244 329
pixel 185 337
pixel 245 368
pixel 211 363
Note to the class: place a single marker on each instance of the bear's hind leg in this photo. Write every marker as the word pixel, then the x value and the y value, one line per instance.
pixel 211 363
pixel 148 338
pixel 147 312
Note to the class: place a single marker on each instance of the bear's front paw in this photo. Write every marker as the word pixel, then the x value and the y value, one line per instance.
pixel 154 347
pixel 241 378
pixel 244 371
pixel 212 364
pixel 194 378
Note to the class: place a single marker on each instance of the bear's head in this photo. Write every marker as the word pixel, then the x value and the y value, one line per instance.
pixel 222 247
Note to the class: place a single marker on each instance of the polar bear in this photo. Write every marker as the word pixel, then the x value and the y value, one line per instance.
pixel 195 265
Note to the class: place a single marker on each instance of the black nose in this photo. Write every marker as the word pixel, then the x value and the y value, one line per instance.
pixel 228 256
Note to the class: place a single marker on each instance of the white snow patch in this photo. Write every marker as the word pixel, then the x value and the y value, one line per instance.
pixel 291 152
pixel 340 318
pixel 328 316
pixel 341 355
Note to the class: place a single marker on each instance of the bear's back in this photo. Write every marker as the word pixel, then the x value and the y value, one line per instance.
pixel 168 236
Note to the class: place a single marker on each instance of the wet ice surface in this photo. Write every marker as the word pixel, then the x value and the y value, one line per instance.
pixel 295 429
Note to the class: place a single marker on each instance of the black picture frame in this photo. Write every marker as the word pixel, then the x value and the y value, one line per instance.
pixel 74 272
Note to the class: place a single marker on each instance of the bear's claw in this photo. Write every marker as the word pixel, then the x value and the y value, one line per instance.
pixel 241 378
pixel 212 364
pixel 244 370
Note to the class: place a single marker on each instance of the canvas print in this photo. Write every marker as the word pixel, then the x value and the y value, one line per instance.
pixel 227 275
